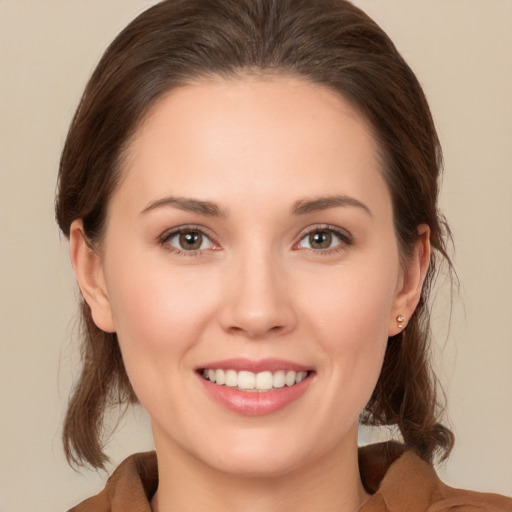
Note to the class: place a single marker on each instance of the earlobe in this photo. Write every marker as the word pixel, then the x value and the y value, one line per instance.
pixel 88 269
pixel 414 274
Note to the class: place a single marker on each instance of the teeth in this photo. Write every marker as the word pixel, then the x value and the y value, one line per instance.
pixel 279 379
pixel 290 378
pixel 246 380
pixel 220 378
pixel 264 381
pixel 231 378
pixel 249 381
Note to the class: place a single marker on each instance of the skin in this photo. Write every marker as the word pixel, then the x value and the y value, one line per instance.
pixel 257 288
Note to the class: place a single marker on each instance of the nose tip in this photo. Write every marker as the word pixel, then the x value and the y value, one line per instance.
pixel 258 325
pixel 259 304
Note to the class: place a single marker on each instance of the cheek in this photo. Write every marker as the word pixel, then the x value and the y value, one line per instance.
pixel 154 304
pixel 159 315
pixel 350 321
pixel 353 307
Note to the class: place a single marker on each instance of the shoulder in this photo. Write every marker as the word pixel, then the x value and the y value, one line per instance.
pixel 401 481
pixel 458 500
pixel 129 489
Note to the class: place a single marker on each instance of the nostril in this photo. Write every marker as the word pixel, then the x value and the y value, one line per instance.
pixel 257 330
pixel 254 315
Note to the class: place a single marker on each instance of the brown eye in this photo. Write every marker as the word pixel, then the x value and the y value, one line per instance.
pixel 324 240
pixel 187 240
pixel 320 240
pixel 190 240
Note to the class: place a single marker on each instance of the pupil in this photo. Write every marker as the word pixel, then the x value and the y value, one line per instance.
pixel 320 240
pixel 191 240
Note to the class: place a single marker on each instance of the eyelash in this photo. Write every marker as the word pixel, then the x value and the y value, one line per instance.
pixel 344 237
pixel 166 237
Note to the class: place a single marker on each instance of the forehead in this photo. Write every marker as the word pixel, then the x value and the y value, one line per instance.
pixel 218 137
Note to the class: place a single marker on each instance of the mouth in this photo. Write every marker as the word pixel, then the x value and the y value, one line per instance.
pixel 255 382
pixel 255 387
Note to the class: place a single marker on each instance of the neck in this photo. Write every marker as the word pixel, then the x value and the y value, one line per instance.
pixel 324 485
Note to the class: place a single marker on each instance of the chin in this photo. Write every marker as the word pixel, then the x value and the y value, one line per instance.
pixel 268 452
pixel 258 464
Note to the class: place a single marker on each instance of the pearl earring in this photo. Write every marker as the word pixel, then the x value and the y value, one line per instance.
pixel 400 319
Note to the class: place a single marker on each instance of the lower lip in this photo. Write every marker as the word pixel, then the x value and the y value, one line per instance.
pixel 256 403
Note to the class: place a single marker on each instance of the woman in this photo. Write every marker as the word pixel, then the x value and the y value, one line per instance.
pixel 249 190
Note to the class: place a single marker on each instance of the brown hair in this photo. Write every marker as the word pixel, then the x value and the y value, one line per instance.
pixel 328 42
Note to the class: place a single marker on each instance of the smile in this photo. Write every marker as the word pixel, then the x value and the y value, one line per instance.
pixel 254 382
pixel 255 387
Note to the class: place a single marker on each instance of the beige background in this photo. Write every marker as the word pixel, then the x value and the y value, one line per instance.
pixel 462 53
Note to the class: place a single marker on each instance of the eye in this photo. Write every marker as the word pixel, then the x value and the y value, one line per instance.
pixel 324 239
pixel 187 240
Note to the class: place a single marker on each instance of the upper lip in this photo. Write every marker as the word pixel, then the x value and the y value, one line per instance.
pixel 255 366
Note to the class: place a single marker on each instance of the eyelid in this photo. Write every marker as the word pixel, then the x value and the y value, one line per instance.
pixel 344 235
pixel 168 234
pixel 163 239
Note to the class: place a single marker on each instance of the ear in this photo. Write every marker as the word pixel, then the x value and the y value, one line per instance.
pixel 88 268
pixel 410 286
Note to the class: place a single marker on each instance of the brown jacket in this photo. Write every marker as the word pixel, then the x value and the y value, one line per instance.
pixel 398 480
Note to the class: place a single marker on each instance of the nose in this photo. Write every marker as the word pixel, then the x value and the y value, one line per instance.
pixel 258 302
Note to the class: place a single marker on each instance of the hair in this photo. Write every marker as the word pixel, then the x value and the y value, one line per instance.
pixel 327 42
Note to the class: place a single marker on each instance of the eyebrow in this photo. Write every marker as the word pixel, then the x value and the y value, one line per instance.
pixel 326 202
pixel 186 204
pixel 299 208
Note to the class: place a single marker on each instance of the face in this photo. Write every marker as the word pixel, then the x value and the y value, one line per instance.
pixel 250 243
